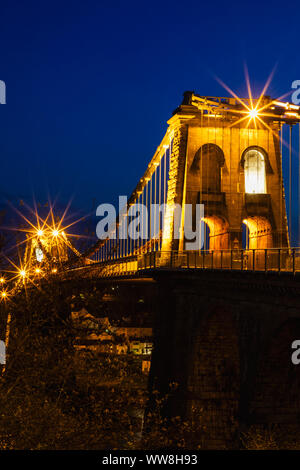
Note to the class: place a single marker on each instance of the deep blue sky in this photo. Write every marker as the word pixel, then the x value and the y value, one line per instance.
pixel 90 85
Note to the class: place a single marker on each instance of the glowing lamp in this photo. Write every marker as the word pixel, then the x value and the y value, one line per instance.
pixel 55 233
pixel 255 172
pixel 40 233
pixel 54 270
pixel 253 113
pixel 37 270
pixel 22 273
pixel 3 294
pixel 2 280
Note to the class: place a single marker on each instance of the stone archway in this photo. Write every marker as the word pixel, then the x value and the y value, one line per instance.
pixel 259 233
pixel 207 162
pixel 214 378
pixel 218 233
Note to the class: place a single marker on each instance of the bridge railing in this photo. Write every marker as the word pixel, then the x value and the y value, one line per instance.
pixel 270 259
pixel 263 260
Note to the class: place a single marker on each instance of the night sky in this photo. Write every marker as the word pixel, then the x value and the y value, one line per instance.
pixel 90 85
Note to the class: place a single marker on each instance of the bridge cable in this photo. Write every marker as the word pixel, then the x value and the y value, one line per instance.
pixel 290 183
pixel 281 184
pixel 299 185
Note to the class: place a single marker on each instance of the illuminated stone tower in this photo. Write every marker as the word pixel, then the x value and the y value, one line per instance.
pixel 228 158
pixel 45 250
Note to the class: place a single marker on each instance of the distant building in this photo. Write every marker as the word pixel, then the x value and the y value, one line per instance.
pixel 101 336
pixel 139 347
pixel 146 363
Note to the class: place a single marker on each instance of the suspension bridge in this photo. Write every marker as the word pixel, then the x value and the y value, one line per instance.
pixel 224 153
pixel 226 312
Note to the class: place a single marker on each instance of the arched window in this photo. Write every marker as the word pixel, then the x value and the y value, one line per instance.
pixel 255 172
pixel 207 162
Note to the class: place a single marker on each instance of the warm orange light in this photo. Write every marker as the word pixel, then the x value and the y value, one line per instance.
pixel 40 233
pixel 290 113
pixel 37 270
pixel 55 233
pixel 2 280
pixel 22 273
pixel 3 294
pixel 54 270
pixel 253 113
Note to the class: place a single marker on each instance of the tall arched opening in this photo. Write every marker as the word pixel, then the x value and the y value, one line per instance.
pixel 207 162
pixel 216 235
pixel 257 233
pixel 254 163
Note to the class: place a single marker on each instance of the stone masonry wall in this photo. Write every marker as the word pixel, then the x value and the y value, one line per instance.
pixel 225 339
pixel 175 185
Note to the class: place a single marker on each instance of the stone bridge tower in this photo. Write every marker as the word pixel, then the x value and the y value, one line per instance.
pixel 229 159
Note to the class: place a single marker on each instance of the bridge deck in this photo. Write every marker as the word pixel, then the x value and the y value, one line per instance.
pixel 257 260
